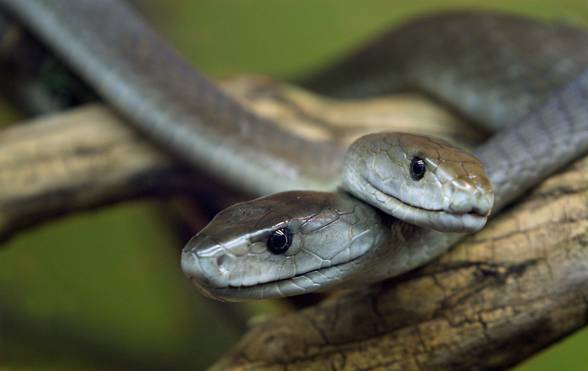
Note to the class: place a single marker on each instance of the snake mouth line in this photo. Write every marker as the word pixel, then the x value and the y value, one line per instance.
pixel 437 219
pixel 218 292
pixel 319 270
pixel 473 212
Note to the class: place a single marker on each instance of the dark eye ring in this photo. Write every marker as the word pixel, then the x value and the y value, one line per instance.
pixel 417 168
pixel 279 241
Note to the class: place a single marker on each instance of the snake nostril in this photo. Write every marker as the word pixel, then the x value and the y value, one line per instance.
pixel 481 209
pixel 475 210
pixel 220 261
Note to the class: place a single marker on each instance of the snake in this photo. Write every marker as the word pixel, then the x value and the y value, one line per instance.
pixel 524 80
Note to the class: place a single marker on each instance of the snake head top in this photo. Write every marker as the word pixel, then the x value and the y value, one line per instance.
pixel 421 180
pixel 280 245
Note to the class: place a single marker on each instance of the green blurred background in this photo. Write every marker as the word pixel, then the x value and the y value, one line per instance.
pixel 103 289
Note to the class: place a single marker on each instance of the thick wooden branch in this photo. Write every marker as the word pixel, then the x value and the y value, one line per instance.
pixel 500 296
pixel 89 157
pixel 74 161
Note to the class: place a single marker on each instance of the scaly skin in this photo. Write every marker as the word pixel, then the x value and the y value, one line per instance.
pixel 138 72
pixel 516 158
pixel 453 195
pixel 491 67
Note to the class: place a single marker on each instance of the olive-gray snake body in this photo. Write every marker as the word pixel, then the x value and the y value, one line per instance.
pixel 496 69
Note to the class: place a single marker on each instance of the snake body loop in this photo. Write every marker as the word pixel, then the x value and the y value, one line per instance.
pixel 551 136
pixel 137 71
pixel 496 72
pixel 532 146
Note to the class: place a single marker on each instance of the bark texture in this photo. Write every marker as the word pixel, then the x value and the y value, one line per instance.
pixel 492 301
pixel 498 297
pixel 75 161
pixel 89 157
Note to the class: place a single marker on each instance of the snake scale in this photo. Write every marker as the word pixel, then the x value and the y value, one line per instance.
pixel 526 79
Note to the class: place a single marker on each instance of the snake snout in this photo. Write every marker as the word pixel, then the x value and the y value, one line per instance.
pixel 467 199
pixel 204 272
pixel 205 262
pixel 484 205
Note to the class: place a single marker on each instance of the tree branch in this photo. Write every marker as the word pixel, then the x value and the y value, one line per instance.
pixel 75 161
pixel 498 297
pixel 492 301
pixel 89 157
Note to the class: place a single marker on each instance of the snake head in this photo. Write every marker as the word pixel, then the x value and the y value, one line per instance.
pixel 280 245
pixel 421 180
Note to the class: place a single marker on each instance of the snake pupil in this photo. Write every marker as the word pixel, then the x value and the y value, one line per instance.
pixel 417 168
pixel 279 241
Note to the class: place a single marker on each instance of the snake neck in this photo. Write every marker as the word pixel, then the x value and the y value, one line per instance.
pixel 134 69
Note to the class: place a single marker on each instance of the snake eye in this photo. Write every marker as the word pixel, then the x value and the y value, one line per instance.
pixel 417 168
pixel 279 241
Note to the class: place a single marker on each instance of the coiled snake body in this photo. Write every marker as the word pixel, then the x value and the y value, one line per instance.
pixel 496 69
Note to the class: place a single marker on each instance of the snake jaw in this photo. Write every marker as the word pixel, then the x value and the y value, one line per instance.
pixel 204 273
pixel 230 258
pixel 450 194
pixel 212 280
pixel 464 221
pixel 462 213
pixel 321 279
